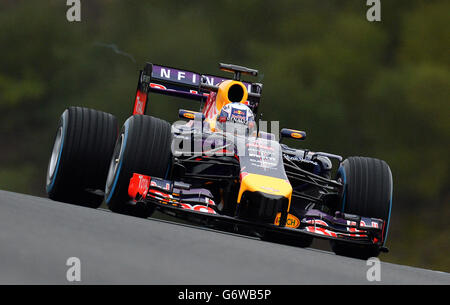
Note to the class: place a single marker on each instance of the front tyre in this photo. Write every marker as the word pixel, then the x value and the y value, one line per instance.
pixel 144 147
pixel 78 165
pixel 368 187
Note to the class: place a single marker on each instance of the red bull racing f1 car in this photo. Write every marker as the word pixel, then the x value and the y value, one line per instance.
pixel 219 168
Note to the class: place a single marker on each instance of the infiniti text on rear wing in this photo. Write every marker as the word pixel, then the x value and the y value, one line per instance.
pixel 184 84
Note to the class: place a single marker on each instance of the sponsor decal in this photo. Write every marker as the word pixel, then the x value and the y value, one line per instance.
pixel 326 232
pixel 187 77
pixel 198 208
pixel 269 189
pixel 223 116
pixel 291 221
pixel 353 230
pixel 373 224
pixel 139 103
pixel 319 230
pixel 238 116
pixel 161 184
pixel 139 184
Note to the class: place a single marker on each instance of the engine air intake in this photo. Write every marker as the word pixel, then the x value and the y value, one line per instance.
pixel 235 93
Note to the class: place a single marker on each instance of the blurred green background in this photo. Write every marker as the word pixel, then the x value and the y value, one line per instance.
pixel 376 89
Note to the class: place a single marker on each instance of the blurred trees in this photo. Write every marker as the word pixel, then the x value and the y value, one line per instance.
pixel 358 88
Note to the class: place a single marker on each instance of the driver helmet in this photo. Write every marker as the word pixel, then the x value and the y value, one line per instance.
pixel 237 118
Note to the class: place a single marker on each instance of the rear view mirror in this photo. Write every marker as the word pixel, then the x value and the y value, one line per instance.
pixel 293 134
pixel 190 115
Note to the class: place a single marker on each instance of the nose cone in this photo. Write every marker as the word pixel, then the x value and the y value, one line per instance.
pixel 265 184
pixel 263 197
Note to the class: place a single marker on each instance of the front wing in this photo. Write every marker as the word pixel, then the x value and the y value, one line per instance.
pixel 179 200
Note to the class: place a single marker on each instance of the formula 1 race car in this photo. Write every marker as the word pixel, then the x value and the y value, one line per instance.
pixel 219 168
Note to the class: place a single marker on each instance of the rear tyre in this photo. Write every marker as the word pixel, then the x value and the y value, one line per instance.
pixel 80 157
pixel 368 188
pixel 144 147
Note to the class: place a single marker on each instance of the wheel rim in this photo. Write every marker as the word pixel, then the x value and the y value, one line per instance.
pixel 55 155
pixel 114 164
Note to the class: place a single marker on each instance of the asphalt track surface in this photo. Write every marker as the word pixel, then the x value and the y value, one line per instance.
pixel 37 236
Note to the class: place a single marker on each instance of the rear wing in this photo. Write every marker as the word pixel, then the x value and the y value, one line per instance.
pixel 188 85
